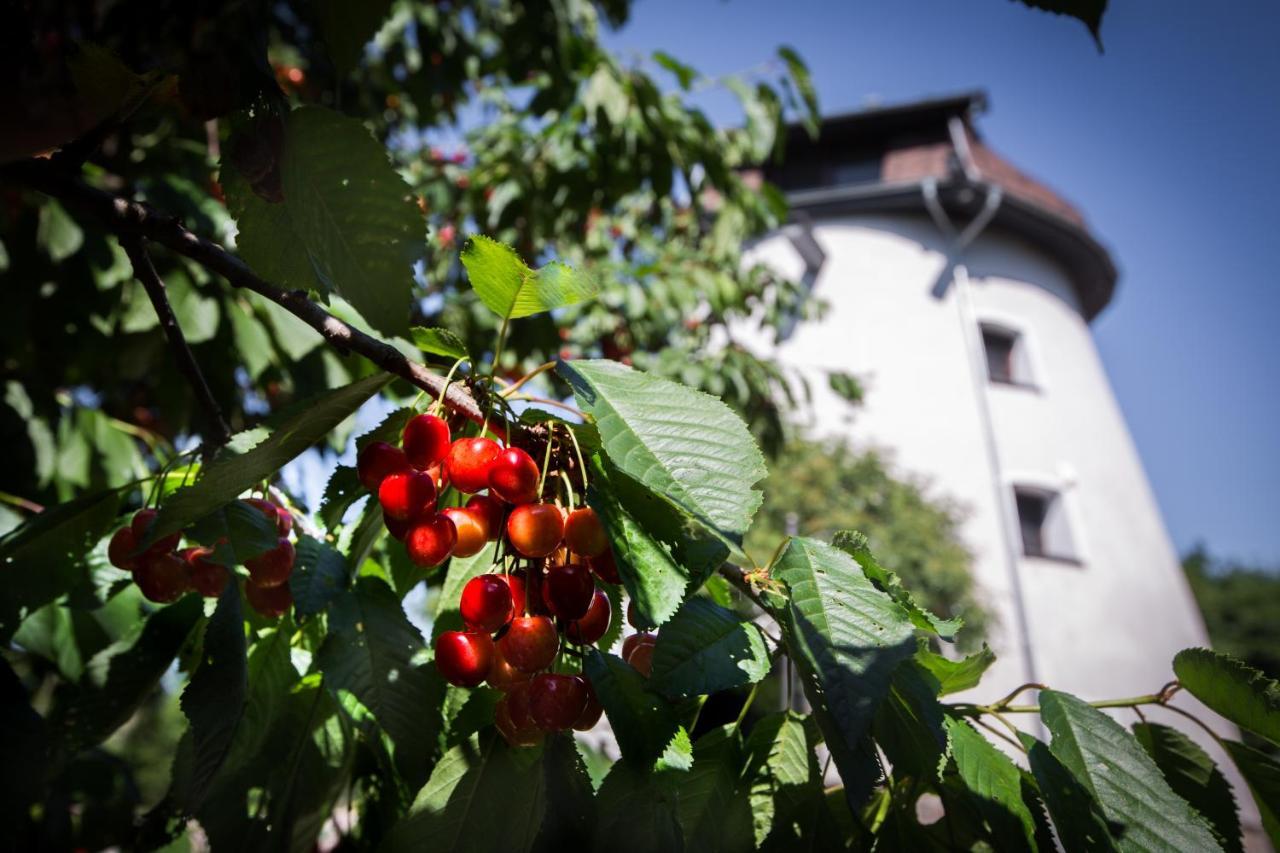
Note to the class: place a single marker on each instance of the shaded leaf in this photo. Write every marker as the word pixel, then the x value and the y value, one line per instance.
pixel 1193 776
pixel 320 572
pixel 706 648
pixel 569 820
pixel 1262 773
pixel 347 27
pixel 996 783
pixel 637 812
pixel 643 722
pixel 440 342
pixel 714 810
pixel 236 532
pixel 1078 819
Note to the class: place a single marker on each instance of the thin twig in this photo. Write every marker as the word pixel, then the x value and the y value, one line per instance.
pixel 145 272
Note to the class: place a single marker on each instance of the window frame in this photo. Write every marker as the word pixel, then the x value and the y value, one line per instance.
pixel 1020 372
pixel 1054 513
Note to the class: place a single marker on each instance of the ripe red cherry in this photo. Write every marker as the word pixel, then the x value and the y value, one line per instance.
pixel 488 510
pixel 486 603
pixel 408 495
pixel 584 534
pixel 430 542
pixel 513 476
pixel 272 568
pixel 398 529
pixel 468 463
pixel 567 590
pixel 556 701
pixel 470 528
pixel 143 519
pixel 590 712
pixel 593 625
pixel 605 567
pixel 120 549
pixel 515 580
pixel 503 675
pixel 635 619
pixel 207 577
pixel 377 461
pixel 511 717
pixel 425 441
pixel 535 530
pixel 163 577
pixel 463 658
pixel 274 512
pixel 530 643
pixel 272 602
pixel 637 650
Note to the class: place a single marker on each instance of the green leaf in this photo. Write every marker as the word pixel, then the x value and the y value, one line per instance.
pixel 215 698
pixel 570 816
pixel 643 722
pixel 271 678
pixel 637 812
pixel 236 532
pixel 909 724
pixel 799 72
pixel 507 286
pixel 681 444
pixel 855 545
pixel 706 648
pixel 1128 785
pixel 779 766
pixel 481 797
pixel 996 783
pixel 684 74
pixel 714 812
pixel 320 573
pixel 229 475
pixel 1233 689
pixel 955 675
pixel 1262 773
pixel 46 556
pixel 846 638
pixel 1077 817
pixel 347 27
pixel 370 651
pixel 120 677
pixel 57 233
pixel 440 342
pixel 1193 776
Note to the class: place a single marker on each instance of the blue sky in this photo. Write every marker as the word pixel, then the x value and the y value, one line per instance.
pixel 1167 141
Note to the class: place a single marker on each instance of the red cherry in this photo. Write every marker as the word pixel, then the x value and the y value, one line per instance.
pixel 530 643
pixel 637 650
pixel 513 476
pixel 272 602
pixel 503 675
pixel 274 512
pixel 486 603
pixel 430 542
pixel 592 626
pixel 407 495
pixel 511 717
pixel 567 590
pixel 377 461
pixel 591 711
pixel 556 701
pixel 163 577
pixel 425 441
pixel 463 658
pixel 535 530
pixel 471 531
pixel 397 528
pixel 635 619
pixel 208 578
pixel 584 534
pixel 143 519
pixel 120 549
pixel 515 580
pixel 468 463
pixel 488 510
pixel 605 567
pixel 272 568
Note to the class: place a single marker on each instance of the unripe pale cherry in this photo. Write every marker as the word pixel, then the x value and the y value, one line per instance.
pixel 530 643
pixel 463 657
pixel 470 526
pixel 408 495
pixel 425 441
pixel 535 530
pixel 468 463
pixel 513 476
pixel 430 542
pixel 584 534
pixel 485 604
pixel 377 461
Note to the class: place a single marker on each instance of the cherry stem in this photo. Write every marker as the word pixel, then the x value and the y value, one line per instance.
pixel 438 403
pixel 546 463
pixel 497 351
pixel 515 386
pixel 577 450
pixel 568 487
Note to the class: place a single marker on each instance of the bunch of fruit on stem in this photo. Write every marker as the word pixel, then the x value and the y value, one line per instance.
pixel 530 612
pixel 164 573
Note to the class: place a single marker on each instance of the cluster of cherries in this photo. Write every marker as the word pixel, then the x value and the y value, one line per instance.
pixel 164 573
pixel 514 620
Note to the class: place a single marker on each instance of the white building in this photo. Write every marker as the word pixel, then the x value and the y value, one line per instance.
pixel 960 294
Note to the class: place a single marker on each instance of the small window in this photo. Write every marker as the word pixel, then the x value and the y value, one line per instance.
pixel 1006 356
pixel 1043 522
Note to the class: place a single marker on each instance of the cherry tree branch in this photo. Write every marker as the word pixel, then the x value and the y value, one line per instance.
pixel 127 218
pixel 145 272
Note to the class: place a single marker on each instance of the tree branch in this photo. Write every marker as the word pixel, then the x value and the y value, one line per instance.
pixel 127 218
pixel 146 273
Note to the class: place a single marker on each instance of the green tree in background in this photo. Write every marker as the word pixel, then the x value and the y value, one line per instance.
pixel 1241 607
